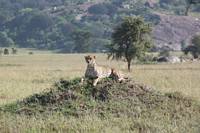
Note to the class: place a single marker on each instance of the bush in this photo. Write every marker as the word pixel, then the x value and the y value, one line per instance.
pixel 194 49
pixel 14 51
pixel 30 53
pixel 6 51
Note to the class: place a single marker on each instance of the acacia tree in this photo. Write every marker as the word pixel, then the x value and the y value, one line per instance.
pixel 130 40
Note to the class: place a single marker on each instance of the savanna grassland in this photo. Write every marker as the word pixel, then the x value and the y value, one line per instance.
pixel 24 75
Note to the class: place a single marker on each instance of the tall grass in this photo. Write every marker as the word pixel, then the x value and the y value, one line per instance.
pixel 27 74
pixel 24 75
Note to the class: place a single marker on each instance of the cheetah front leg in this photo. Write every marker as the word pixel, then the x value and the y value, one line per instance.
pixel 82 80
pixel 95 81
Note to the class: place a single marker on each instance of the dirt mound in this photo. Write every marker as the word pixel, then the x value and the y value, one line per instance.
pixel 108 97
pixel 112 99
pixel 149 108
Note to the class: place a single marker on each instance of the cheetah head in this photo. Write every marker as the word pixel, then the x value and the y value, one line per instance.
pixel 90 59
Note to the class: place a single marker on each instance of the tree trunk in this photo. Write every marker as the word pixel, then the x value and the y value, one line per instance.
pixel 129 66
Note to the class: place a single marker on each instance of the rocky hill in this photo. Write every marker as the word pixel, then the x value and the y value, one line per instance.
pixel 173 31
pixel 51 24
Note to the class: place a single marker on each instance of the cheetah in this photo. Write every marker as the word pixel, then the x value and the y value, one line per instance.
pixel 97 72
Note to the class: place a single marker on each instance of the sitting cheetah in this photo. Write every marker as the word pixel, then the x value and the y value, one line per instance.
pixel 97 72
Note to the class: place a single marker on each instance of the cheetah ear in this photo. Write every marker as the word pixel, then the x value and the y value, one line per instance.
pixel 86 59
pixel 94 57
pixel 86 56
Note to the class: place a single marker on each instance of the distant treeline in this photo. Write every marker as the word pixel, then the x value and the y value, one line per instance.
pixel 72 25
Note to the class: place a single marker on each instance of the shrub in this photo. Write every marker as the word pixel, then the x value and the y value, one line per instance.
pixel 6 51
pixel 194 49
pixel 14 51
pixel 30 53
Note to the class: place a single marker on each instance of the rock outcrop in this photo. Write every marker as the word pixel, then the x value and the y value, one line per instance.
pixel 173 31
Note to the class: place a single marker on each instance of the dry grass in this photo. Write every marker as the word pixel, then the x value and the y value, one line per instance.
pixel 24 75
pixel 183 78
